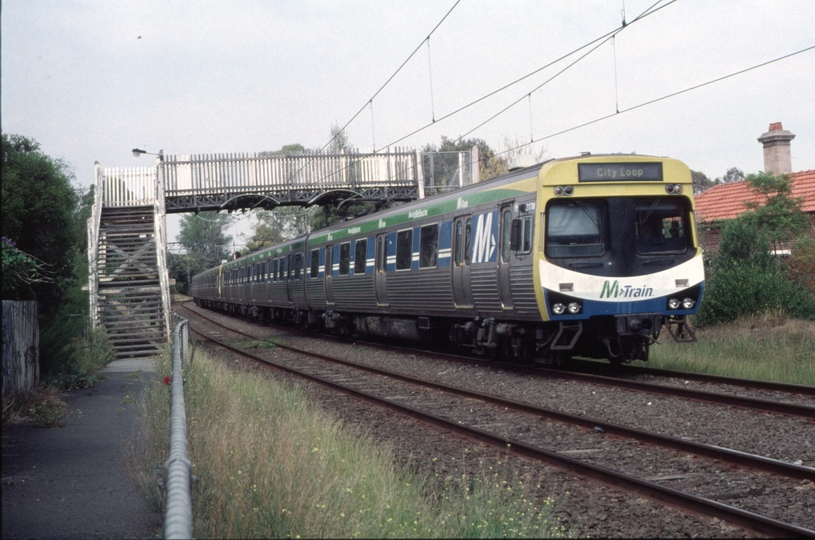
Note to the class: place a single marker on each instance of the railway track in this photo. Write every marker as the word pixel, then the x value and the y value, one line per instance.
pixel 506 416
pixel 784 402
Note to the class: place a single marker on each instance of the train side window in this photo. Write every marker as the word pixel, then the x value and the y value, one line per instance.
pixel 282 269
pixel 361 256
pixel 315 263
pixel 522 234
pixel 298 265
pixel 468 242
pixel 506 234
pixel 459 233
pixel 382 248
pixel 429 246
pixel 345 258
pixel 576 229
pixel 404 249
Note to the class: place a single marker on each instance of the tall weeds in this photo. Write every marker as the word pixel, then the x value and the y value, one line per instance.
pixel 271 464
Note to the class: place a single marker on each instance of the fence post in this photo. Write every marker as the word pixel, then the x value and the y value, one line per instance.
pixel 178 476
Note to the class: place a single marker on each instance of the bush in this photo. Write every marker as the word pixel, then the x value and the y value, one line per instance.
pixel 82 359
pixel 744 289
pixel 744 279
pixel 802 263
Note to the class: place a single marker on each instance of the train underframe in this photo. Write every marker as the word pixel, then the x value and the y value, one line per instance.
pixel 620 338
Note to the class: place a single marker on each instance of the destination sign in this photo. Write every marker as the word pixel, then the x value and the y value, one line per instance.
pixel 618 172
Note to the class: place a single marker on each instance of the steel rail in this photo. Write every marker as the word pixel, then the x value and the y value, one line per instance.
pixel 772 386
pixel 792 409
pixel 789 408
pixel 728 455
pixel 756 522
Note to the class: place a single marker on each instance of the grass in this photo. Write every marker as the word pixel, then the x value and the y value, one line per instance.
pixel 770 346
pixel 272 464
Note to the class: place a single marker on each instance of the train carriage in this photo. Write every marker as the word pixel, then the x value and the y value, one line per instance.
pixel 590 256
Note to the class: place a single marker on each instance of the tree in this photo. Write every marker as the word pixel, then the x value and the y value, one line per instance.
pixel 278 225
pixel 490 165
pixel 202 236
pixel 733 174
pixel 779 215
pixel 701 182
pixel 340 143
pixel 44 220
pixel 38 215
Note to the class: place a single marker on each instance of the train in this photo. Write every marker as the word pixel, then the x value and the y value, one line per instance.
pixel 588 256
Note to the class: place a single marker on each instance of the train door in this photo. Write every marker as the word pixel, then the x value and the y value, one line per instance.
pixel 246 297
pixel 504 258
pixel 329 271
pixel 462 240
pixel 381 266
pixel 289 275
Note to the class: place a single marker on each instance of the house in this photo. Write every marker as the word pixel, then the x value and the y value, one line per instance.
pixel 727 201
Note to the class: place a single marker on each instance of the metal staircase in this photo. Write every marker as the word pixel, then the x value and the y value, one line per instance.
pixel 128 281
pixel 129 289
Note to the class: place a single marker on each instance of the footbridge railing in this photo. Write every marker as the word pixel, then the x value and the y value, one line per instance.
pixel 264 180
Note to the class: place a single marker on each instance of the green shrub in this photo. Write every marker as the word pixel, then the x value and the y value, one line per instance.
pixel 738 290
pixel 82 359
pixel 744 278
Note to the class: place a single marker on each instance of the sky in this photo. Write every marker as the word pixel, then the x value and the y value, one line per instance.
pixel 90 80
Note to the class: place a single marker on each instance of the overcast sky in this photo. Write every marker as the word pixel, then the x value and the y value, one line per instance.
pixel 90 80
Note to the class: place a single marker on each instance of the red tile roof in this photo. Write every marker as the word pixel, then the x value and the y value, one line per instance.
pixel 727 201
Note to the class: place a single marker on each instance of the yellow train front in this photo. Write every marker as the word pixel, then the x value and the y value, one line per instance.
pixel 619 257
pixel 585 256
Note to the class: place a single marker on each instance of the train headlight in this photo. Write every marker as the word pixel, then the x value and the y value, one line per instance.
pixel 674 303
pixel 560 191
pixel 558 309
pixel 574 308
pixel 568 190
pixel 688 303
pixel 674 189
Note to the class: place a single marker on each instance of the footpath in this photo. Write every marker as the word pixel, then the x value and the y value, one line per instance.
pixel 72 482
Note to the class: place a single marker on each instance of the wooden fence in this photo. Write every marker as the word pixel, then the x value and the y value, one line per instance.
pixel 21 348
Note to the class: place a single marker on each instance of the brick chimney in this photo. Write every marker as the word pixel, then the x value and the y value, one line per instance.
pixel 776 141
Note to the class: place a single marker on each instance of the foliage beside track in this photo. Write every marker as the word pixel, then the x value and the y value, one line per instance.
pixel 272 464
pixel 769 346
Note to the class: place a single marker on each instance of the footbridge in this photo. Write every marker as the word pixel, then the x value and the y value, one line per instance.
pixel 127 235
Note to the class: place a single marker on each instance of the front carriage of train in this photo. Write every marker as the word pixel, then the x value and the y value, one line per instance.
pixel 620 259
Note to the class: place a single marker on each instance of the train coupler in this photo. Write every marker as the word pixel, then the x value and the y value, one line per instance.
pixel 680 329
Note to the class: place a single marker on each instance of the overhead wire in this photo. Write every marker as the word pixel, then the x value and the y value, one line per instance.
pixel 370 101
pixel 662 98
pixel 653 8
pixel 603 38
pixel 427 39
